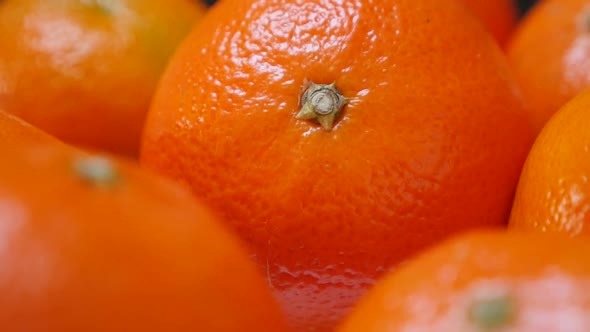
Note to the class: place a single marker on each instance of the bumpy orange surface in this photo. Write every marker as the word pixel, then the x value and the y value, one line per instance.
pixel 484 281
pixel 85 71
pixel 499 16
pixel 95 245
pixel 550 55
pixel 554 190
pixel 431 141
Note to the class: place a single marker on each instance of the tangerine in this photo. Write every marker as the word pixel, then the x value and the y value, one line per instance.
pixel 85 71
pixel 553 194
pixel 484 281
pixel 337 138
pixel 91 243
pixel 550 56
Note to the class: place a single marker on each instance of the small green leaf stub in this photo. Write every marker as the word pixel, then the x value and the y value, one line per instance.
pixel 492 313
pixel 322 103
pixel 97 170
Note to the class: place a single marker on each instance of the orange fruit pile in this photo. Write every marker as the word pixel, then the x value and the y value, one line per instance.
pixel 304 166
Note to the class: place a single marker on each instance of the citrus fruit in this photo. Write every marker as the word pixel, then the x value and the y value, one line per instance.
pixel 550 55
pixel 499 16
pixel 484 281
pixel 90 243
pixel 339 137
pixel 553 192
pixel 85 71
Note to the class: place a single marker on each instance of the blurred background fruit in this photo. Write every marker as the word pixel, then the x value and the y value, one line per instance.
pixel 484 281
pixel 95 244
pixel 85 71
pixel 430 142
pixel 554 190
pixel 550 56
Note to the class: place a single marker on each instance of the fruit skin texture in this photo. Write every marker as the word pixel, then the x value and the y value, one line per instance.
pixel 550 56
pixel 544 288
pixel 553 191
pixel 85 71
pixel 136 254
pixel 499 16
pixel 431 141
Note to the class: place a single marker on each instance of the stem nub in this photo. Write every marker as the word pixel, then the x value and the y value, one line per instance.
pixel 322 103
pixel 98 171
pixel 492 312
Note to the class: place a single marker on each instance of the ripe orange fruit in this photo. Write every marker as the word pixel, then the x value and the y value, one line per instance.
pixel 554 189
pixel 484 281
pixel 85 71
pixel 550 55
pixel 92 244
pixel 332 184
pixel 499 16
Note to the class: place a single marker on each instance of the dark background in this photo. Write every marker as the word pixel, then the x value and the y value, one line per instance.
pixel 523 4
